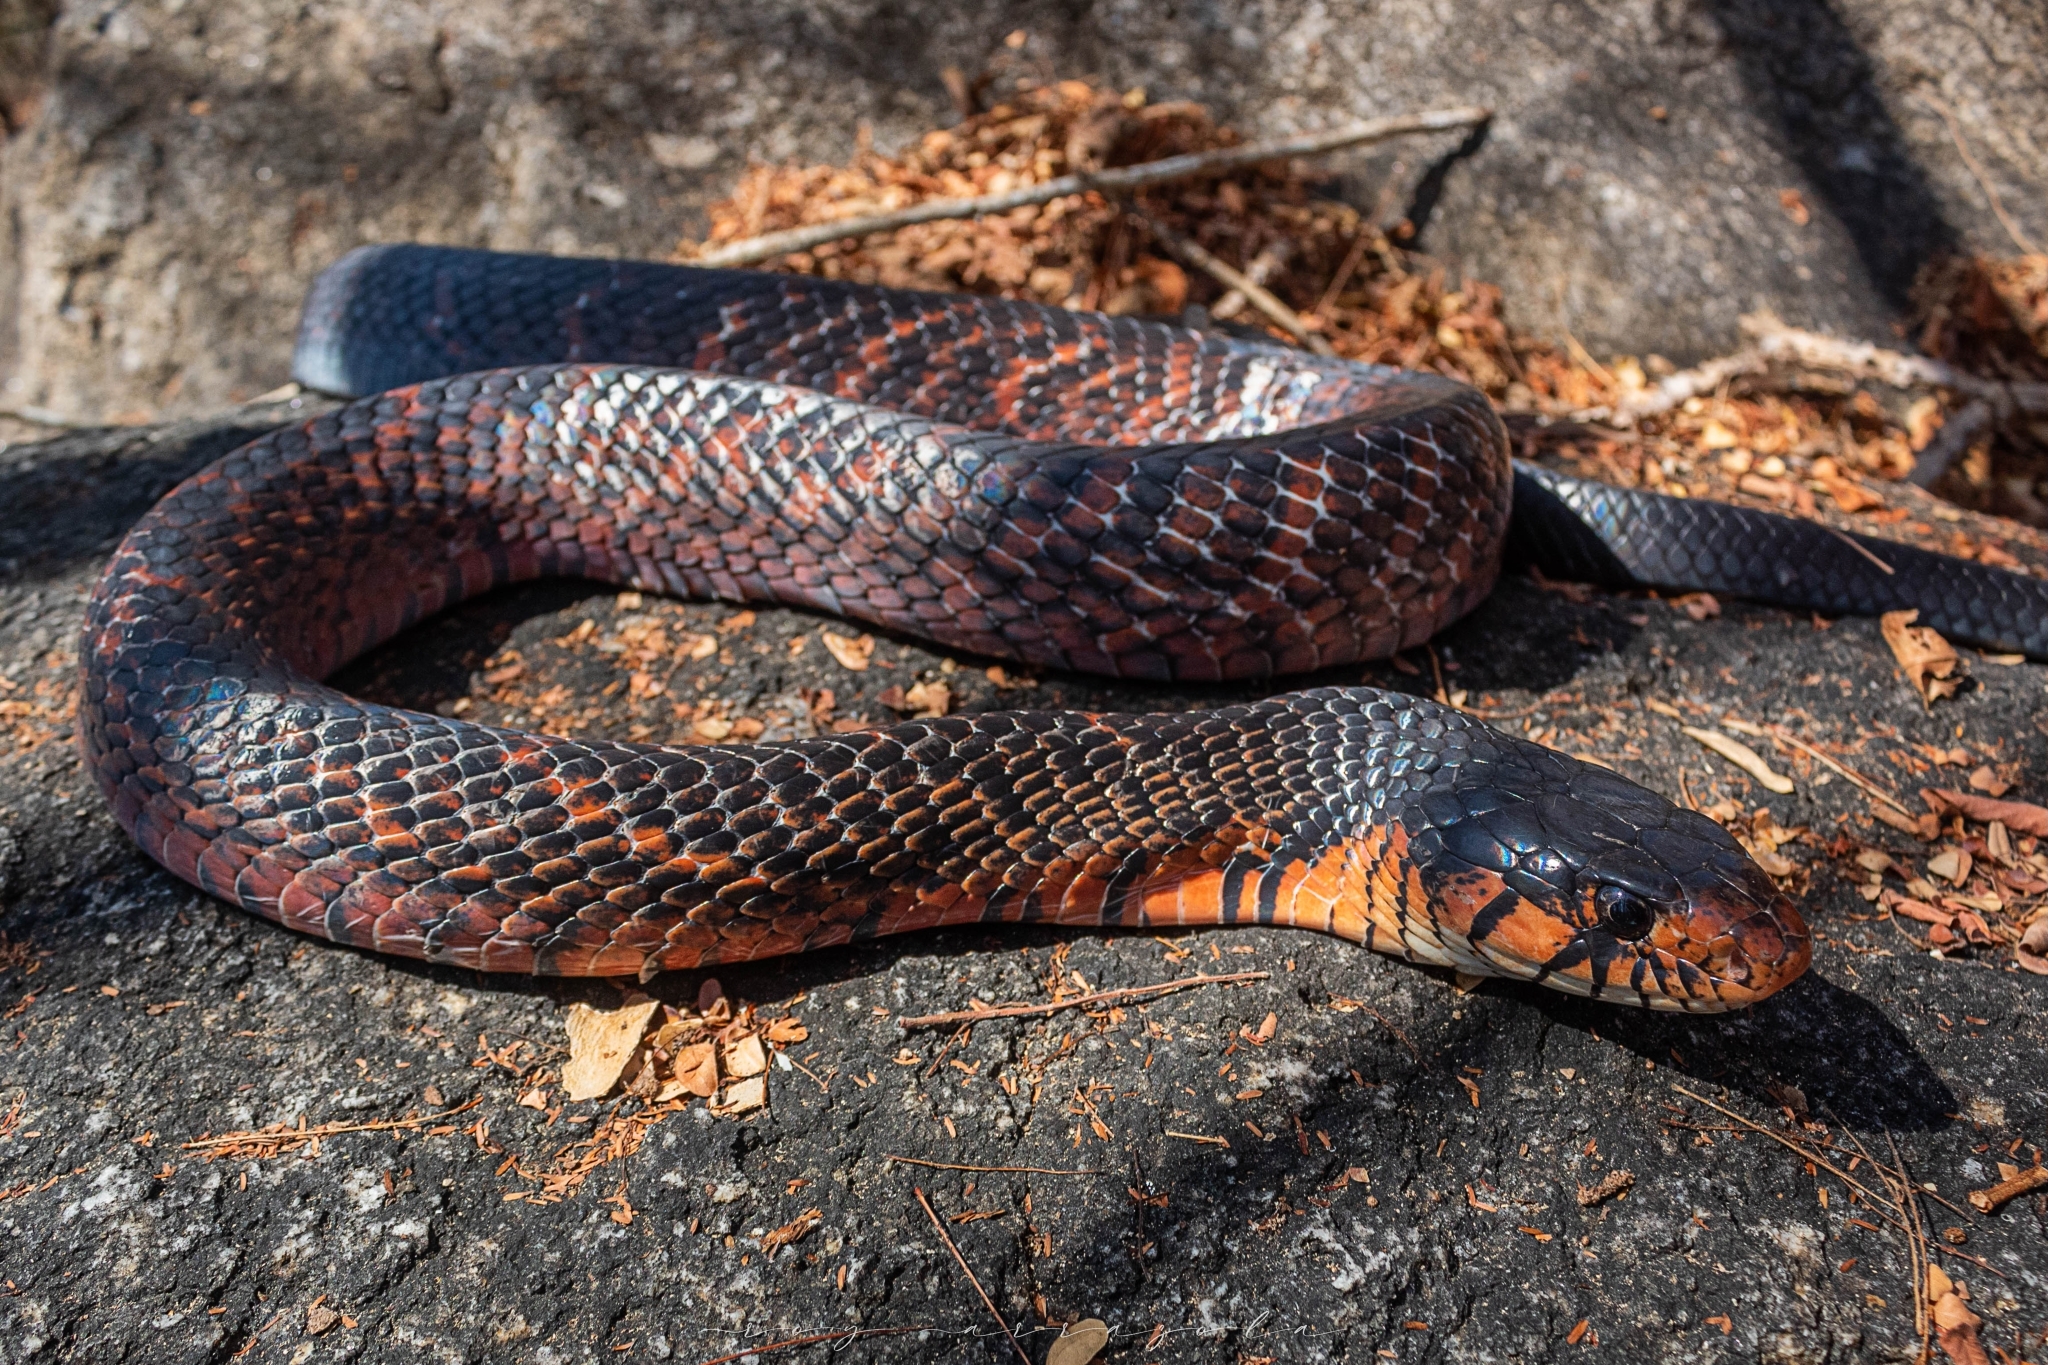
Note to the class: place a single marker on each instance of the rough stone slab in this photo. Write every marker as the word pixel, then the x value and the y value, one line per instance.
pixel 158 1015
pixel 181 172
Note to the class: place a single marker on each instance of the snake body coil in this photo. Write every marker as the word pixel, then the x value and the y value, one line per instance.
pixel 1073 491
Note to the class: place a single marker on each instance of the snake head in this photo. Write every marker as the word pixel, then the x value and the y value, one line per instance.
pixel 1542 867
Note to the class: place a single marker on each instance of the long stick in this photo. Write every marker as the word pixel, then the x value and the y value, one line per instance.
pixel 969 1272
pixel 753 249
pixel 1771 341
pixel 1092 998
pixel 991 1170
pixel 1230 277
pixel 1868 787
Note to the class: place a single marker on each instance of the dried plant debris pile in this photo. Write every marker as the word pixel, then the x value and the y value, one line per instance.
pixel 1799 439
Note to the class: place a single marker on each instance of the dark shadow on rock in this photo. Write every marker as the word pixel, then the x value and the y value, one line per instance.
pixel 1805 68
pixel 71 499
pixel 1834 1047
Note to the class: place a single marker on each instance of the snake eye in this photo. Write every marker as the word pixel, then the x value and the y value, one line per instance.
pixel 1623 913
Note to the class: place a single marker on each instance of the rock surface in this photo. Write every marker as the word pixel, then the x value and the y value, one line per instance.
pixel 143 1015
pixel 176 173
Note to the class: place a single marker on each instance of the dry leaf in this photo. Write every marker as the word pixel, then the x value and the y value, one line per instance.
pixel 1079 1344
pixel 746 1057
pixel 1770 860
pixel 926 700
pixel 1952 865
pixel 319 1317
pixel 1700 606
pixel 1919 826
pixel 2033 947
pixel 696 1070
pixel 1956 1328
pixel 783 1032
pixel 1742 756
pixel 792 1231
pixel 1985 780
pixel 741 1096
pixel 2023 816
pixel 712 729
pixel 1928 661
pixel 929 699
pixel 601 1042
pixel 852 653
pixel 1920 910
pixel 1267 1028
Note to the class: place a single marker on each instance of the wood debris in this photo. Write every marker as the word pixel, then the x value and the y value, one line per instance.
pixel 1607 1187
pixel 1955 1325
pixel 601 1043
pixel 2017 816
pixel 2016 1183
pixel 1929 662
pixel 663 1055
pixel 1742 756
pixel 851 652
pixel 277 1139
pixel 982 1012
pixel 791 1232
pixel 925 700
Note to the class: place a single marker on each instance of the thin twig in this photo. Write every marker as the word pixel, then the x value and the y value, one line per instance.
pixel 1256 294
pixel 987 1170
pixel 851 1334
pixel 769 244
pixel 961 1035
pixel 1793 345
pixel 1092 998
pixel 1806 1153
pixel 1917 1242
pixel 969 1272
pixel 1388 1024
pixel 1436 667
pixel 1868 787
pixel 1345 270
pixel 1772 342
pixel 1860 548
pixel 281 1136
pixel 1955 132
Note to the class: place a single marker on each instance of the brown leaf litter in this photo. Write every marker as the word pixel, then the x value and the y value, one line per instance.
pixel 1782 438
pixel 1929 662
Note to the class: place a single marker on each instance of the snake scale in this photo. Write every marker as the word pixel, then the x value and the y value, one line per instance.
pixel 1068 490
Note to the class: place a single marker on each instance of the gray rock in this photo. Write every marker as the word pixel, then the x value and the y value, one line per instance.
pixel 1469 1221
pixel 178 173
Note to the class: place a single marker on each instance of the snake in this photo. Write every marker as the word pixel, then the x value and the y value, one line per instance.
pixel 1111 495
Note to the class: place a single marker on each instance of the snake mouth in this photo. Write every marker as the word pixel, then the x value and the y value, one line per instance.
pixel 1705 957
pixel 1727 941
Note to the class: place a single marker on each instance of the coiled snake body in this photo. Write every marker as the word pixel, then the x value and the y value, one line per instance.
pixel 1065 489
